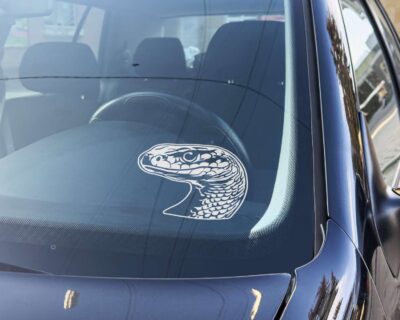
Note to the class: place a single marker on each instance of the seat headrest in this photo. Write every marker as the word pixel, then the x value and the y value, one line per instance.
pixel 160 57
pixel 239 50
pixel 45 64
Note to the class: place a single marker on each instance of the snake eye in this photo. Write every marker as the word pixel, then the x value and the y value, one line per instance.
pixel 158 158
pixel 190 157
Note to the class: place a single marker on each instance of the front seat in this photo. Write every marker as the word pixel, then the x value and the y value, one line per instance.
pixel 243 55
pixel 159 65
pixel 64 78
pixel 243 76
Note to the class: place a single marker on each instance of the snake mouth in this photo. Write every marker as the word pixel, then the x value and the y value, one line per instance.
pixel 159 170
pixel 153 169
pixel 145 163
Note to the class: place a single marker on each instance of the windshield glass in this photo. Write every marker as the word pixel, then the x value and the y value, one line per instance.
pixel 155 139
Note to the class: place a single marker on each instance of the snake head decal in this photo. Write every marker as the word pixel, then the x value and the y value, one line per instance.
pixel 216 174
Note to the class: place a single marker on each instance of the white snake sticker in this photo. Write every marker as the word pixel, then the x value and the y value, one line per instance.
pixel 217 178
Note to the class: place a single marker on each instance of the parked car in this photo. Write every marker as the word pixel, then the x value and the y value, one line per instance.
pixel 204 159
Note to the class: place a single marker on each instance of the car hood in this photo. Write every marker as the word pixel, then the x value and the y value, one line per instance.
pixel 31 296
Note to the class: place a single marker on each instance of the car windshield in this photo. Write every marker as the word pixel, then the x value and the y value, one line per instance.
pixel 155 139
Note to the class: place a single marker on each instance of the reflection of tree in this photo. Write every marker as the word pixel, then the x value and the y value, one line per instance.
pixel 324 299
pixel 344 72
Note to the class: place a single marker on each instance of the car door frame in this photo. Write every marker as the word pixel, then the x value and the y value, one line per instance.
pixel 345 183
pixel 373 249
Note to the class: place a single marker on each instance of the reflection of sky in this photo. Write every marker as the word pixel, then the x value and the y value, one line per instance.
pixel 358 32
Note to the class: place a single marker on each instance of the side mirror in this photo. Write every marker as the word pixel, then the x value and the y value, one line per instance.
pixel 26 8
pixel 385 205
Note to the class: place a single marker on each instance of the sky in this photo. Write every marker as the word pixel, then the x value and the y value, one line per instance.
pixel 358 32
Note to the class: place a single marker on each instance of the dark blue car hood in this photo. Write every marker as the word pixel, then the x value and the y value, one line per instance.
pixel 26 296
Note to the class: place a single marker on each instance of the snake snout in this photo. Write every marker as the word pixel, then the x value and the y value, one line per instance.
pixel 148 160
pixel 154 163
pixel 144 160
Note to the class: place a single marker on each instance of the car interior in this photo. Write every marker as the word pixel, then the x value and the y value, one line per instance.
pixel 80 109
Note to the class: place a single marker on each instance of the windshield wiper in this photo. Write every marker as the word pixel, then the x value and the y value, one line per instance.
pixel 5 267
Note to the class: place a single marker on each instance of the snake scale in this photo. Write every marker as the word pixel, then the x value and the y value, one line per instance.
pixel 217 178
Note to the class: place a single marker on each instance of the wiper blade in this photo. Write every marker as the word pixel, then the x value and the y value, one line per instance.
pixel 5 267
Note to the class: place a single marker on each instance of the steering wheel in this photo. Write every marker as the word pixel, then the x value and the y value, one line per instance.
pixel 188 120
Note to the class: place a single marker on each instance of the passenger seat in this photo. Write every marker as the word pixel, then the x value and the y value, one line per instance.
pixel 65 78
